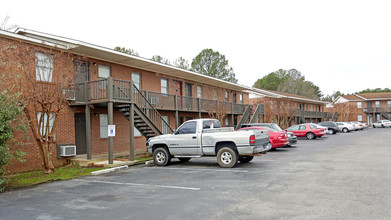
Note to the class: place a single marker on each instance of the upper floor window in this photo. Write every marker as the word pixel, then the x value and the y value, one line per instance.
pixel 164 86
pixel 241 98
pixel 312 107
pixel 199 92
pixel 359 105
pixel 215 94
pixel 136 78
pixel 104 71
pixel 226 96
pixel 377 104
pixel 389 104
pixel 44 67
pixel 234 97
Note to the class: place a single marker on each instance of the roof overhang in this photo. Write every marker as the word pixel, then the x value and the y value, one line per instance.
pixel 110 55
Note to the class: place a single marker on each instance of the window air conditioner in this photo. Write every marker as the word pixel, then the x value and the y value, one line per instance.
pixel 67 150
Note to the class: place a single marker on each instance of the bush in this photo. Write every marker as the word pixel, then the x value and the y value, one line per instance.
pixel 9 111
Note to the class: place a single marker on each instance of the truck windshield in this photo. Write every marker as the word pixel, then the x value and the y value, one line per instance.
pixel 211 124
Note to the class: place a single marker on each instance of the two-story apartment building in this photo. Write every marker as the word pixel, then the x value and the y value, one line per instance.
pixel 140 97
pixel 288 109
pixel 366 107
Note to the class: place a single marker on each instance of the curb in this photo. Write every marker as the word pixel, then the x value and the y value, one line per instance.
pixel 109 170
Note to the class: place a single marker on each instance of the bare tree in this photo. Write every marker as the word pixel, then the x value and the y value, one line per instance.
pixel 41 76
pixel 5 26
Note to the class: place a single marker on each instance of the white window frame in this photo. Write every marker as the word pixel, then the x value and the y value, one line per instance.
pixel 103 125
pixel 241 98
pixel 389 104
pixel 359 104
pixel 44 122
pixel 359 117
pixel 377 103
pixel 164 86
pixel 104 71
pixel 215 97
pixel 199 92
pixel 136 78
pixel 226 96
pixel 44 67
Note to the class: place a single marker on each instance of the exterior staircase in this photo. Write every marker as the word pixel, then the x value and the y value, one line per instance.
pixel 250 116
pixel 384 113
pixel 146 118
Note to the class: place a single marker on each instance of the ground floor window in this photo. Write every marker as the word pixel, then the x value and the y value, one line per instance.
pixel 359 118
pixel 103 124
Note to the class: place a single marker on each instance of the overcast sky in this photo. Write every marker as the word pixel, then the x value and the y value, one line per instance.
pixel 338 45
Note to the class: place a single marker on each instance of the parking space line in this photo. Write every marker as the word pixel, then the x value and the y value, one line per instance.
pixel 200 169
pixel 138 184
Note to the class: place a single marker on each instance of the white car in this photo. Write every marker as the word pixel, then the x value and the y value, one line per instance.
pixel 345 126
pixel 358 125
pixel 382 124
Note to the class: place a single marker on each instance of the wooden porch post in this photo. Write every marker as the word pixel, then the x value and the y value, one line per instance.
pixel 110 117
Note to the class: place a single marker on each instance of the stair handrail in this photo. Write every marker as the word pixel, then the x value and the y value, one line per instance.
pixel 245 116
pixel 257 112
pixel 147 105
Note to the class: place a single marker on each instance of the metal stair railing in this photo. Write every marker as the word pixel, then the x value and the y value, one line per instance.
pixel 255 117
pixel 245 116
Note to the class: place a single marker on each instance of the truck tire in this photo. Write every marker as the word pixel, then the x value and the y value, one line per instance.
pixel 246 159
pixel 310 135
pixel 227 157
pixel 161 157
pixel 184 159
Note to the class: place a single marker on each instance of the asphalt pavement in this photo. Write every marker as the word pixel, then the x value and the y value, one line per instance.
pixel 342 176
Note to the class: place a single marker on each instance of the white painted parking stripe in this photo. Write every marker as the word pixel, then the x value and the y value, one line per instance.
pixel 138 184
pixel 200 169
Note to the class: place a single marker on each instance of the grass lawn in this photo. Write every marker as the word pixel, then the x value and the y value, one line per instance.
pixel 62 173
pixel 37 177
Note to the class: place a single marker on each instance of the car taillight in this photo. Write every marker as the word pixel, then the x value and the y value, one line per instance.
pixel 281 136
pixel 252 140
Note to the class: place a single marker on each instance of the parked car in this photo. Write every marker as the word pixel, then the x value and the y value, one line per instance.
pixel 364 124
pixel 357 125
pixel 345 127
pixel 331 126
pixel 205 137
pixel 292 137
pixel 320 127
pixel 276 138
pixel 382 124
pixel 306 130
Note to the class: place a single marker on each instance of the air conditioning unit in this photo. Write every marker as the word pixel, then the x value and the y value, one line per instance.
pixel 67 150
pixel 154 100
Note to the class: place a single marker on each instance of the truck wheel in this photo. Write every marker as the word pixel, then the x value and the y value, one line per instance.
pixel 227 158
pixel 246 159
pixel 310 135
pixel 184 159
pixel 161 157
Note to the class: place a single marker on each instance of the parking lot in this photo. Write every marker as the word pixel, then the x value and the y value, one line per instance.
pixel 342 176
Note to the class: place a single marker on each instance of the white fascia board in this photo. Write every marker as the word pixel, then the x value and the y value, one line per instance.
pixel 360 97
pixel 30 39
pixel 75 43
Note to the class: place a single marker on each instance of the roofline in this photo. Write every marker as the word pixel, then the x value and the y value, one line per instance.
pixel 276 95
pixel 71 43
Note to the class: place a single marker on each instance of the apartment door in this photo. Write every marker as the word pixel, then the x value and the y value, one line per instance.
pixel 189 95
pixel 178 89
pixel 80 133
pixel 81 74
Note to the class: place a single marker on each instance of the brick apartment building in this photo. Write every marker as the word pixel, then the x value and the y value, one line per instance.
pixel 142 98
pixel 288 109
pixel 365 107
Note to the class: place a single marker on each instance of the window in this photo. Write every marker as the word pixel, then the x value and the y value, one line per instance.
pixel 359 105
pixel 103 125
pixel 312 107
pixel 234 97
pixel 226 122
pixel 199 92
pixel 215 94
pixel 44 67
pixel 271 104
pixel 210 124
pixel 377 104
pixel 44 130
pixel 104 71
pixel 302 127
pixel 389 104
pixel 241 98
pixel 136 78
pixel 359 118
pixel 188 128
pixel 293 128
pixel 164 86
pixel 226 96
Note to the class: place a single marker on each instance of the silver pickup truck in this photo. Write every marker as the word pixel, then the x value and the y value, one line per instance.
pixel 205 137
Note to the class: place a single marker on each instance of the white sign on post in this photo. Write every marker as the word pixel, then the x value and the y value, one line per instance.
pixel 111 131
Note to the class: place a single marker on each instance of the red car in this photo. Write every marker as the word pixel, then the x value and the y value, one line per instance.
pixel 306 130
pixel 276 138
